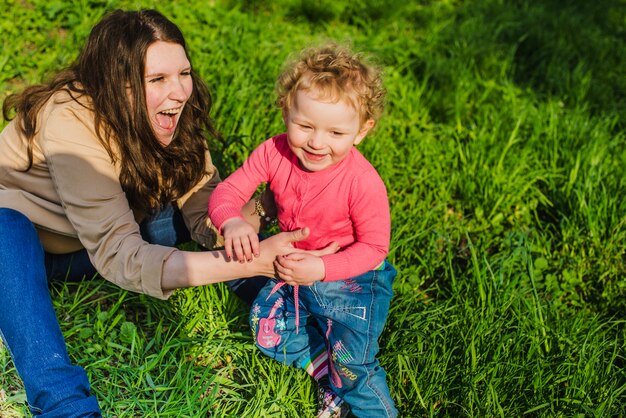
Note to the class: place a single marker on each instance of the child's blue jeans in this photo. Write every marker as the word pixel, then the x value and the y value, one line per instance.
pixel 345 318
pixel 55 388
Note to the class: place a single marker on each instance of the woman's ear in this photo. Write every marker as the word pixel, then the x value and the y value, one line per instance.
pixel 365 128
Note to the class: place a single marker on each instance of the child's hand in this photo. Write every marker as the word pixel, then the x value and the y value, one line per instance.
pixel 300 268
pixel 241 239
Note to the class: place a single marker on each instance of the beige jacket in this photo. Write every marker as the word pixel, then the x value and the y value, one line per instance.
pixel 73 196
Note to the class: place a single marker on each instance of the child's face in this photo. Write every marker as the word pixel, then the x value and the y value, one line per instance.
pixel 322 133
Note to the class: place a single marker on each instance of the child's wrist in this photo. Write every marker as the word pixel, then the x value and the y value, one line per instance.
pixel 259 210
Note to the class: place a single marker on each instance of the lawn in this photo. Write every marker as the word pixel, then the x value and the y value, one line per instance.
pixel 503 150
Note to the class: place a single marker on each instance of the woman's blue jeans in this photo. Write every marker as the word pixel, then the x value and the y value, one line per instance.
pixel 55 388
pixel 345 318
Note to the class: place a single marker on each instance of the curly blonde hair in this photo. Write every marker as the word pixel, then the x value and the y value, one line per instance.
pixel 336 73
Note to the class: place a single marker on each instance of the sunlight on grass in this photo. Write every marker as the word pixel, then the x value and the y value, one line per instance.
pixel 502 147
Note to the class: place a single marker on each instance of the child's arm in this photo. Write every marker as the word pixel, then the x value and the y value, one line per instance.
pixel 228 198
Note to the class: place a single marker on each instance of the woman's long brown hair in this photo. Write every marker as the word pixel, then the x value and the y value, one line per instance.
pixel 110 72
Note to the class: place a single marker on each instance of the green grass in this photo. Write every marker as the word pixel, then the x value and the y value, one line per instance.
pixel 502 147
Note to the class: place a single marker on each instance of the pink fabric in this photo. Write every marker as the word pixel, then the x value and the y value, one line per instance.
pixel 346 203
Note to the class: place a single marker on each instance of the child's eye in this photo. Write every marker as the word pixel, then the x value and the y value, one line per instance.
pixel 305 127
pixel 337 133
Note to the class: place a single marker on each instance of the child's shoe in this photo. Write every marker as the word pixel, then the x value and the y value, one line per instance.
pixel 329 405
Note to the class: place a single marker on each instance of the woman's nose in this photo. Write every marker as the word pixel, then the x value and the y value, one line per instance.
pixel 179 91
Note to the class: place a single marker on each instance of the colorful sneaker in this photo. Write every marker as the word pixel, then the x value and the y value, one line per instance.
pixel 329 405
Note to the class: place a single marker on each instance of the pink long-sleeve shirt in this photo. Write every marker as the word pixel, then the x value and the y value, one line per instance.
pixel 346 203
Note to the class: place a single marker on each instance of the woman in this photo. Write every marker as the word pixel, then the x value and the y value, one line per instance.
pixel 105 168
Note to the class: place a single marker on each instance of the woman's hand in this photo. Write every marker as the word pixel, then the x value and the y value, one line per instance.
pixel 301 267
pixel 198 268
pixel 277 245
pixel 331 248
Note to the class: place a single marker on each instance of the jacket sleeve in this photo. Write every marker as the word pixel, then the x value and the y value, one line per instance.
pixel 89 190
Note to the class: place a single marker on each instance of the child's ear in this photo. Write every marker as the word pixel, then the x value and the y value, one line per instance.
pixel 365 128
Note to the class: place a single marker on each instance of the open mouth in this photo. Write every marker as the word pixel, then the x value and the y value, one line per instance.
pixel 166 119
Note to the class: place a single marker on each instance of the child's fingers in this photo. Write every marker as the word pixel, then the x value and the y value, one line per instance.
pixel 280 260
pixel 243 249
pixel 288 275
pixel 254 244
pixel 246 244
pixel 228 247
pixel 288 259
pixel 282 272
pixel 239 250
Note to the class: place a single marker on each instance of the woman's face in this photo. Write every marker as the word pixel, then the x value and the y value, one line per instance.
pixel 168 87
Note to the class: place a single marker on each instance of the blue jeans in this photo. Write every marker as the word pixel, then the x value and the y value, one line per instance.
pixel 345 318
pixel 28 325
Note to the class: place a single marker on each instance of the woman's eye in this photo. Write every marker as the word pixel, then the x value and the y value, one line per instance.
pixel 155 79
pixel 186 73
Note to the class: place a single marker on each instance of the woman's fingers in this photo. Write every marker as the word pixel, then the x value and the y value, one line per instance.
pixel 331 248
pixel 297 235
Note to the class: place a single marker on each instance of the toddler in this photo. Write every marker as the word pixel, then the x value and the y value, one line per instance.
pixel 330 99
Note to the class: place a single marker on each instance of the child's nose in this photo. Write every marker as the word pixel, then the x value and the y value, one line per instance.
pixel 315 140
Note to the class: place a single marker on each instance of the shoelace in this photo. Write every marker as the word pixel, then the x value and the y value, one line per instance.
pixel 296 300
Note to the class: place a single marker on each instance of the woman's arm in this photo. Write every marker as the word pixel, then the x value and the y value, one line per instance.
pixel 187 269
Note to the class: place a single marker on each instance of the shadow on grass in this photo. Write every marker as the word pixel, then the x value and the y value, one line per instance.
pixel 569 50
